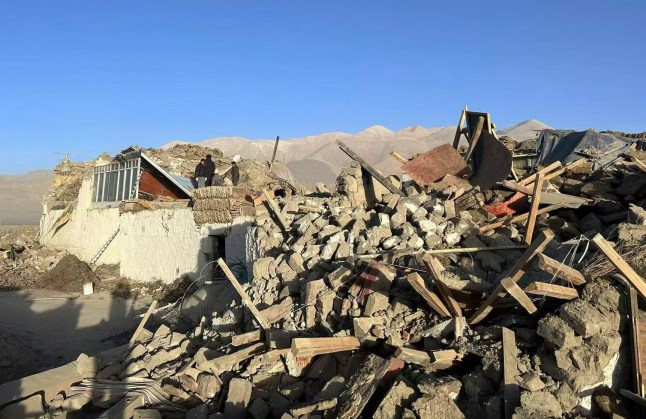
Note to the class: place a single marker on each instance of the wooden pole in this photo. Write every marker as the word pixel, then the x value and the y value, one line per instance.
pixel 273 156
pixel 367 167
pixel 476 137
pixel 243 294
pixel 536 200
pixel 150 311
pixel 458 130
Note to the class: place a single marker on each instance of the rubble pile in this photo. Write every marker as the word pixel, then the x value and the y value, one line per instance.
pixel 393 300
pixel 22 259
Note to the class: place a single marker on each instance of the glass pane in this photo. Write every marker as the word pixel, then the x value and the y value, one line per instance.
pixel 100 188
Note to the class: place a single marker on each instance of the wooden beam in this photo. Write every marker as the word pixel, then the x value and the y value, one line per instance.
pixel 515 274
pixel 519 295
pixel 398 157
pixel 274 208
pixel 551 290
pixel 447 355
pixel 417 282
pixel 620 264
pixel 458 129
pixel 243 294
pixel 273 156
pixel 561 270
pixel 224 363
pixel 304 410
pixel 518 218
pixel 306 347
pixel 633 397
pixel 536 200
pixel 567 167
pixel 373 172
pixel 360 387
pixel 473 142
pixel 544 171
pixel 143 321
pixel 635 343
pixel 639 163
pixel 435 268
pixel 249 337
pixel 511 390
pixel 473 249
pixel 548 198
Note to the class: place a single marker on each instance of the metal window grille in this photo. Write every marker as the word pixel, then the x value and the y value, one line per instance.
pixel 114 182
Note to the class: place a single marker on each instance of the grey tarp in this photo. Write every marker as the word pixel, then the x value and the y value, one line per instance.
pixel 568 146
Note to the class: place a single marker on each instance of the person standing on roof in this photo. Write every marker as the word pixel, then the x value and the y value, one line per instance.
pixel 209 166
pixel 200 174
pixel 235 170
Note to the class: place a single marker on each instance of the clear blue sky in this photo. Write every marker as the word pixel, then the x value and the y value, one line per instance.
pixel 88 76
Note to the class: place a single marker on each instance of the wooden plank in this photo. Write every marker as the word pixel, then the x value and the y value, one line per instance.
pixel 417 282
pixel 639 163
pixel 551 290
pixel 473 249
pixel 518 218
pixel 143 321
pixel 243 294
pixel 544 171
pixel 473 142
pixel 511 390
pixel 536 200
pixel 303 410
pixel 561 270
pixel 519 295
pixel 435 268
pixel 249 337
pixel 635 343
pixel 633 397
pixel 360 387
pixel 447 355
pixel 458 129
pixel 226 362
pixel 274 208
pixel 398 157
pixel 620 264
pixel 305 347
pixel 515 274
pixel 373 172
pixel 548 198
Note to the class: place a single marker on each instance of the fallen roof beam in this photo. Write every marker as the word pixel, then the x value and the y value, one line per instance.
pixel 373 172
pixel 536 200
pixel 518 218
pixel 274 208
pixel 306 347
pixel 620 264
pixel 511 390
pixel 519 295
pixel 435 268
pixel 417 282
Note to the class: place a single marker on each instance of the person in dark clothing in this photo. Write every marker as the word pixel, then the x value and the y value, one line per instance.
pixel 217 179
pixel 200 172
pixel 209 167
pixel 235 173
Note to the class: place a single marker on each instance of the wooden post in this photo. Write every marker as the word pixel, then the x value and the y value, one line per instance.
pixel 417 282
pixel 274 208
pixel 519 295
pixel 551 290
pixel 536 200
pixel 435 268
pixel 544 171
pixel 373 172
pixel 243 295
pixel 511 389
pixel 560 269
pixel 476 137
pixel 273 156
pixel 458 130
pixel 618 262
pixel 361 386
pixel 150 311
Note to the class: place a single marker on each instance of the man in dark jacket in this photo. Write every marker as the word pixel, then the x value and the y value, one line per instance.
pixel 200 174
pixel 209 167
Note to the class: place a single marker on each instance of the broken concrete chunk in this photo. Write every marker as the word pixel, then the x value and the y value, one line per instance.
pixel 541 403
pixel 87 366
pixel 557 332
pixel 238 398
pixel 433 406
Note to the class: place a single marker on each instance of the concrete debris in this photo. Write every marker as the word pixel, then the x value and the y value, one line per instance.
pixel 355 325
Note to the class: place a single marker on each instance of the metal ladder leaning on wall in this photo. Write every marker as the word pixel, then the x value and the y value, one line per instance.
pixel 105 246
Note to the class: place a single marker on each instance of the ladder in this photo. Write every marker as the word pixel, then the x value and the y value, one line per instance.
pixel 105 246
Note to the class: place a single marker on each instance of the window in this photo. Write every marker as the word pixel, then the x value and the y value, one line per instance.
pixel 116 181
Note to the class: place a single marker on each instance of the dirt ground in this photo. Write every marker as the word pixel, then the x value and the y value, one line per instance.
pixel 42 329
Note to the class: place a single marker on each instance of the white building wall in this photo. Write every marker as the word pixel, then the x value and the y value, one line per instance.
pixel 151 245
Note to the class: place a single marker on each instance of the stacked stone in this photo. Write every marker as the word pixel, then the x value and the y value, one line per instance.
pixel 220 204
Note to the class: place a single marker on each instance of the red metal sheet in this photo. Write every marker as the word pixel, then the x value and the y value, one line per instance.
pixel 429 167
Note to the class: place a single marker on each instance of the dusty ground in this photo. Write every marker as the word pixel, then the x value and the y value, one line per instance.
pixel 41 329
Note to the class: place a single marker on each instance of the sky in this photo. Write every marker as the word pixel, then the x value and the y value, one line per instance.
pixel 88 76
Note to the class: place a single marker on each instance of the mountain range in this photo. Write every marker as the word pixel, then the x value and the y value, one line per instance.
pixel 311 159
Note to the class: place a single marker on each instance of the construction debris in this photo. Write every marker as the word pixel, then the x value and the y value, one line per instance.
pixel 359 299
